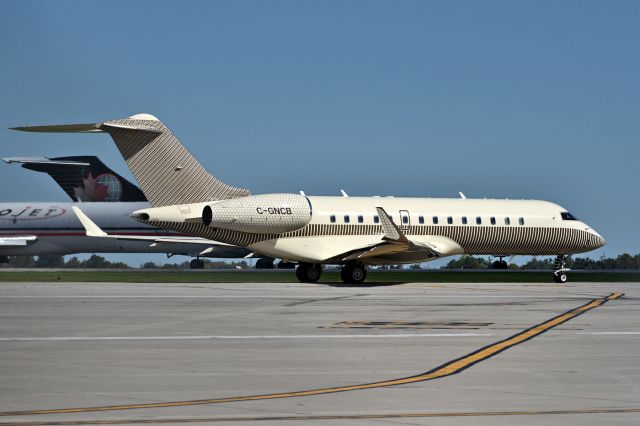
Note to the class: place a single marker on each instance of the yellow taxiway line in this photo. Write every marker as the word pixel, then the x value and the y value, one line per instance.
pixel 452 367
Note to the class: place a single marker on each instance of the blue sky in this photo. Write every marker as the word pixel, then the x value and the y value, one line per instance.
pixel 415 98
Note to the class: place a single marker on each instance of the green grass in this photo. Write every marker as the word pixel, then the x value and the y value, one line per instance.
pixel 374 277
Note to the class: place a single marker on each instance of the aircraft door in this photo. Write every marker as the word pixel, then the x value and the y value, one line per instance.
pixel 405 221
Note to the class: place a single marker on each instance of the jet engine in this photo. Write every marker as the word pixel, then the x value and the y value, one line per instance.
pixel 259 214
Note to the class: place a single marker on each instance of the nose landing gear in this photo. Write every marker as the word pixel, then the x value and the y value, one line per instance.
pixel 560 270
pixel 500 263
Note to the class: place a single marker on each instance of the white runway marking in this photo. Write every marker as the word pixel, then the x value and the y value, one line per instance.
pixel 284 336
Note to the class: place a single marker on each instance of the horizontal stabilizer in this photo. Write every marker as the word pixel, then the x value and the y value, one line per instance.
pixel 43 160
pixel 62 128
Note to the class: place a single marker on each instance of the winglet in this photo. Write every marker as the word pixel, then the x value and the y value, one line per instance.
pixel 390 229
pixel 92 230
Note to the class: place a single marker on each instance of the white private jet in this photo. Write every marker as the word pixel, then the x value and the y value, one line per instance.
pixel 315 231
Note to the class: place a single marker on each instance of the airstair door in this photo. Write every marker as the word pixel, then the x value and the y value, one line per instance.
pixel 405 221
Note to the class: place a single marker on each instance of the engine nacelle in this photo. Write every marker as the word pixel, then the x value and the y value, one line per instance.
pixel 259 214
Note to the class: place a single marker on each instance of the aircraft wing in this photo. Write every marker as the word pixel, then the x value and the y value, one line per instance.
pixel 395 245
pixel 93 230
pixel 20 241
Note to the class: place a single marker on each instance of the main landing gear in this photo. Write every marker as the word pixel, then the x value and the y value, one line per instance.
pixel 264 263
pixel 353 273
pixel 560 270
pixel 196 264
pixel 308 272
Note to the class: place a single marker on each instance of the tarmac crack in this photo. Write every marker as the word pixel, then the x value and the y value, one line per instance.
pixel 326 299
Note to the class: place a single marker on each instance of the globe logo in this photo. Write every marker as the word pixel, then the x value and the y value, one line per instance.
pixel 114 188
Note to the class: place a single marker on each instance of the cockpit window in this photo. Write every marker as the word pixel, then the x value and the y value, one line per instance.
pixel 567 216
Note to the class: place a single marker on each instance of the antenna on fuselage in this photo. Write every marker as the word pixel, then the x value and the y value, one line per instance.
pixel 462 196
pixel 344 194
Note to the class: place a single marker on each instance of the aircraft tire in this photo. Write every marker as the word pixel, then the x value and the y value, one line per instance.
pixel 353 273
pixel 308 272
pixel 264 263
pixel 561 278
pixel 196 264
pixel 500 264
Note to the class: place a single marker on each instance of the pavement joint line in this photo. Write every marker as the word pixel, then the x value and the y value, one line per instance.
pixel 274 337
pixel 627 410
pixel 447 369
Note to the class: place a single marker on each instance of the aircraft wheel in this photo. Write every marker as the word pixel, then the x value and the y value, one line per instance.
pixel 196 264
pixel 353 273
pixel 560 278
pixel 308 272
pixel 264 263
pixel 500 264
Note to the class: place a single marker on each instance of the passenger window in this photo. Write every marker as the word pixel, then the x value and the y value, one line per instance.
pixel 464 220
pixel 376 219
pixel 332 218
pixel 521 221
pixel 478 220
pixel 421 220
pixel 405 220
pixel 346 218
pixel 507 221
pixel 360 219
pixel 493 220
pixel 450 220
pixel 435 220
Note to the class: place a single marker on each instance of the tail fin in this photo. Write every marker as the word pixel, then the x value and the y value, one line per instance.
pixel 167 173
pixel 84 178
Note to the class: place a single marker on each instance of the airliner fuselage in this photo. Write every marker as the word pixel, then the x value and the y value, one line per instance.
pixel 325 229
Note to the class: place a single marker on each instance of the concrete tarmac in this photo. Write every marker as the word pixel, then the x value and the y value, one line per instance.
pixel 187 347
